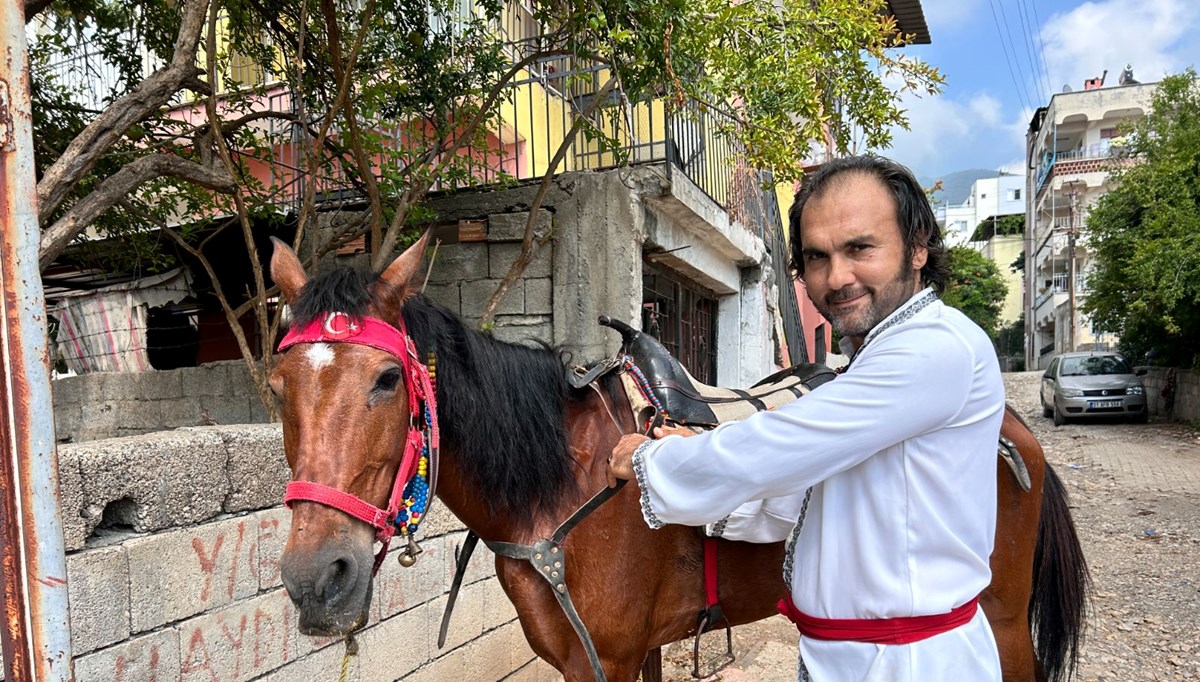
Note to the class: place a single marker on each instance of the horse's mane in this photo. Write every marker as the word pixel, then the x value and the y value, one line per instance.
pixel 501 406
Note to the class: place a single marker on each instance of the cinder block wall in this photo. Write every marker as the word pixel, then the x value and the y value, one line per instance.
pixel 173 546
pixel 1187 393
pixel 111 404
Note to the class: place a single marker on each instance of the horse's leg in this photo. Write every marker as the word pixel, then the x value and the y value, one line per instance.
pixel 652 666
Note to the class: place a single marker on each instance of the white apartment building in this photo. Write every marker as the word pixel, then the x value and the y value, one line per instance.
pixel 998 196
pixel 1067 152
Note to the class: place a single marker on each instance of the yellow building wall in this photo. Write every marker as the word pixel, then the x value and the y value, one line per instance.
pixel 1003 251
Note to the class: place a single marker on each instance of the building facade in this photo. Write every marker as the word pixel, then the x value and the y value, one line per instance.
pixel 997 196
pixel 1068 151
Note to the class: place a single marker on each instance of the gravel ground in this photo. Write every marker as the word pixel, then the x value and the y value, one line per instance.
pixel 1135 493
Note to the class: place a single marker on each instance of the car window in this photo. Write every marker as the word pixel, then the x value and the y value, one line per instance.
pixel 1050 370
pixel 1094 365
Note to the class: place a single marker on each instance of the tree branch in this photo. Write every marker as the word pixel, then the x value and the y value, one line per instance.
pixel 147 98
pixel 117 186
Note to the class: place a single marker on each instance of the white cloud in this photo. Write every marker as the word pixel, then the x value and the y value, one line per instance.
pixel 952 133
pixel 1156 37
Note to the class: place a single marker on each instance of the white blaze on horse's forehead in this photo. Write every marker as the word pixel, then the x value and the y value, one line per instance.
pixel 319 355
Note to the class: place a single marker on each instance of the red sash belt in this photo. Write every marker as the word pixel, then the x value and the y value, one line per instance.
pixel 905 630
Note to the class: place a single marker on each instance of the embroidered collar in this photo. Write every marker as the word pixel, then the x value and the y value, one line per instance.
pixel 904 313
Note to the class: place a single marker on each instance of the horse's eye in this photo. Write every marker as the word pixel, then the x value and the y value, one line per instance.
pixel 388 380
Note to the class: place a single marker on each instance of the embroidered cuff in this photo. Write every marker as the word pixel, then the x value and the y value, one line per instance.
pixel 639 468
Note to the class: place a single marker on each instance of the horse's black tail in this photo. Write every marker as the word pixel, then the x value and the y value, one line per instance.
pixel 1061 584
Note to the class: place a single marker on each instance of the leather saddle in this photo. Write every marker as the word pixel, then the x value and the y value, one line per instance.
pixel 687 401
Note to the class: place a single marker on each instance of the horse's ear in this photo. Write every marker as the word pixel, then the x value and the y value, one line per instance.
pixel 287 271
pixel 398 283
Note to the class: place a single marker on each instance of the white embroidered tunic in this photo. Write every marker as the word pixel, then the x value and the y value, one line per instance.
pixel 901 454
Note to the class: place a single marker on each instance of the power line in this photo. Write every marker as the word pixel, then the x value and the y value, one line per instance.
pixel 1016 57
pixel 1033 61
pixel 1041 44
pixel 1016 86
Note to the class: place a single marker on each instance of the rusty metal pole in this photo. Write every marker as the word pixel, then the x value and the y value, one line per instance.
pixel 36 630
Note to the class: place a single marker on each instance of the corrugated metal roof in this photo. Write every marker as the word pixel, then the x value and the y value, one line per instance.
pixel 910 19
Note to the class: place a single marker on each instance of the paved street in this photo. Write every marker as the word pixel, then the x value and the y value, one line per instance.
pixel 1134 490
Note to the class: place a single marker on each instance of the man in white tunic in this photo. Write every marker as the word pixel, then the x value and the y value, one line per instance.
pixel 888 560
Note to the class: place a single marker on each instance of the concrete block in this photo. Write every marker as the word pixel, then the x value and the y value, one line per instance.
pixel 534 670
pixel 226 409
pixel 475 296
pixel 439 522
pixel 72 499
pixel 502 256
pixel 399 645
pixel 184 411
pixel 155 385
pixel 68 422
pixel 523 329
pixel 68 390
pixel 98 593
pixel 507 227
pixel 445 295
pixel 138 415
pixel 467 622
pixel 399 589
pixel 258 471
pixel 497 653
pixel 172 478
pixel 325 664
pixel 154 657
pixel 241 642
pixel 497 609
pixel 181 573
pixel 210 379
pixel 100 419
pixel 539 296
pixel 273 526
pixel 258 411
pixel 460 262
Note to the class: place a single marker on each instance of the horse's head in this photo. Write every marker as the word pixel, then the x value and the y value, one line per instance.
pixel 346 421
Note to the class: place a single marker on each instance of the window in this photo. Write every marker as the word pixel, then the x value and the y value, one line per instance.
pixel 681 316
pixel 1014 195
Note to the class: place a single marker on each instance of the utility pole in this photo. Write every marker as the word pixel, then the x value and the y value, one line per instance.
pixel 1071 264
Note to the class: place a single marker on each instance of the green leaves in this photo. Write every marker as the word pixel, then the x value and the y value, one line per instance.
pixel 1144 235
pixel 976 287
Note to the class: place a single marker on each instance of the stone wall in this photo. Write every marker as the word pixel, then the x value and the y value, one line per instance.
pixel 1187 393
pixel 111 404
pixel 173 546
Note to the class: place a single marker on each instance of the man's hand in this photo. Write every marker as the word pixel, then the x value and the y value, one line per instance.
pixel 620 462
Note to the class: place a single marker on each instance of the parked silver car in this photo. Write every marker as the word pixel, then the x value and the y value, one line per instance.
pixel 1093 384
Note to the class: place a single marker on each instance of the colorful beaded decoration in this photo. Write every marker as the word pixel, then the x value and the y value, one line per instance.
pixel 416 492
pixel 644 384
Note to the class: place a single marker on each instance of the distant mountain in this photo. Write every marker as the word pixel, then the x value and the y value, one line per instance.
pixel 956 186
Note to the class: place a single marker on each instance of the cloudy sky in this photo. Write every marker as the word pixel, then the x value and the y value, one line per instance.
pixel 979 121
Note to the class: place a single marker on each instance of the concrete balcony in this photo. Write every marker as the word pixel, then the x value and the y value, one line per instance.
pixel 1045 307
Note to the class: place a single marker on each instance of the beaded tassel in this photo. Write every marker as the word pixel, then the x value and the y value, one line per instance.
pixel 644 384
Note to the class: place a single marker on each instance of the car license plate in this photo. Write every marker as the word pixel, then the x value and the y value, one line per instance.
pixel 1101 404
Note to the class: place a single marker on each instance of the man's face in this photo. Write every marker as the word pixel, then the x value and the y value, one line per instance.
pixel 854 264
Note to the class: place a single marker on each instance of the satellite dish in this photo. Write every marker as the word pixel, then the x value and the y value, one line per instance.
pixel 1066 87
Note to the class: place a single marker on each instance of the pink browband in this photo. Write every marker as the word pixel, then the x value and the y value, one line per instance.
pixel 373 332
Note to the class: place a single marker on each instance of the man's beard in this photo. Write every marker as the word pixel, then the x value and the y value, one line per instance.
pixel 880 303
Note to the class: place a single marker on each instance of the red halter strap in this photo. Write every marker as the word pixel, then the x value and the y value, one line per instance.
pixel 339 327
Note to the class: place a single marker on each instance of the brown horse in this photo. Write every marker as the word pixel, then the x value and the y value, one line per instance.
pixel 521 450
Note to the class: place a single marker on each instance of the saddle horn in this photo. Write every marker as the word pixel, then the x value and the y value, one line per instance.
pixel 628 334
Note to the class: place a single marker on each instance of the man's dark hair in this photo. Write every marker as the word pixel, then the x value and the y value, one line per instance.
pixel 913 212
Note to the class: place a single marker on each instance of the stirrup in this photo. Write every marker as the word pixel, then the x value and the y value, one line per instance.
pixel 709 619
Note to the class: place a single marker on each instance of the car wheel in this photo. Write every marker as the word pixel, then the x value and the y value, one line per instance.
pixel 1059 419
pixel 1045 410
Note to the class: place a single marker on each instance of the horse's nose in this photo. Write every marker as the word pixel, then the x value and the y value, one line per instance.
pixel 334 582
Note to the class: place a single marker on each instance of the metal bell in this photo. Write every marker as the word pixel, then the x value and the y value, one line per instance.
pixel 408 556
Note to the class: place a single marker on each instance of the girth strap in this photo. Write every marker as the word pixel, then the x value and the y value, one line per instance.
pixel 549 560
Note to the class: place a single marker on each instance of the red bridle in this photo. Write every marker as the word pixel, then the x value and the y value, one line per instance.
pixel 375 333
